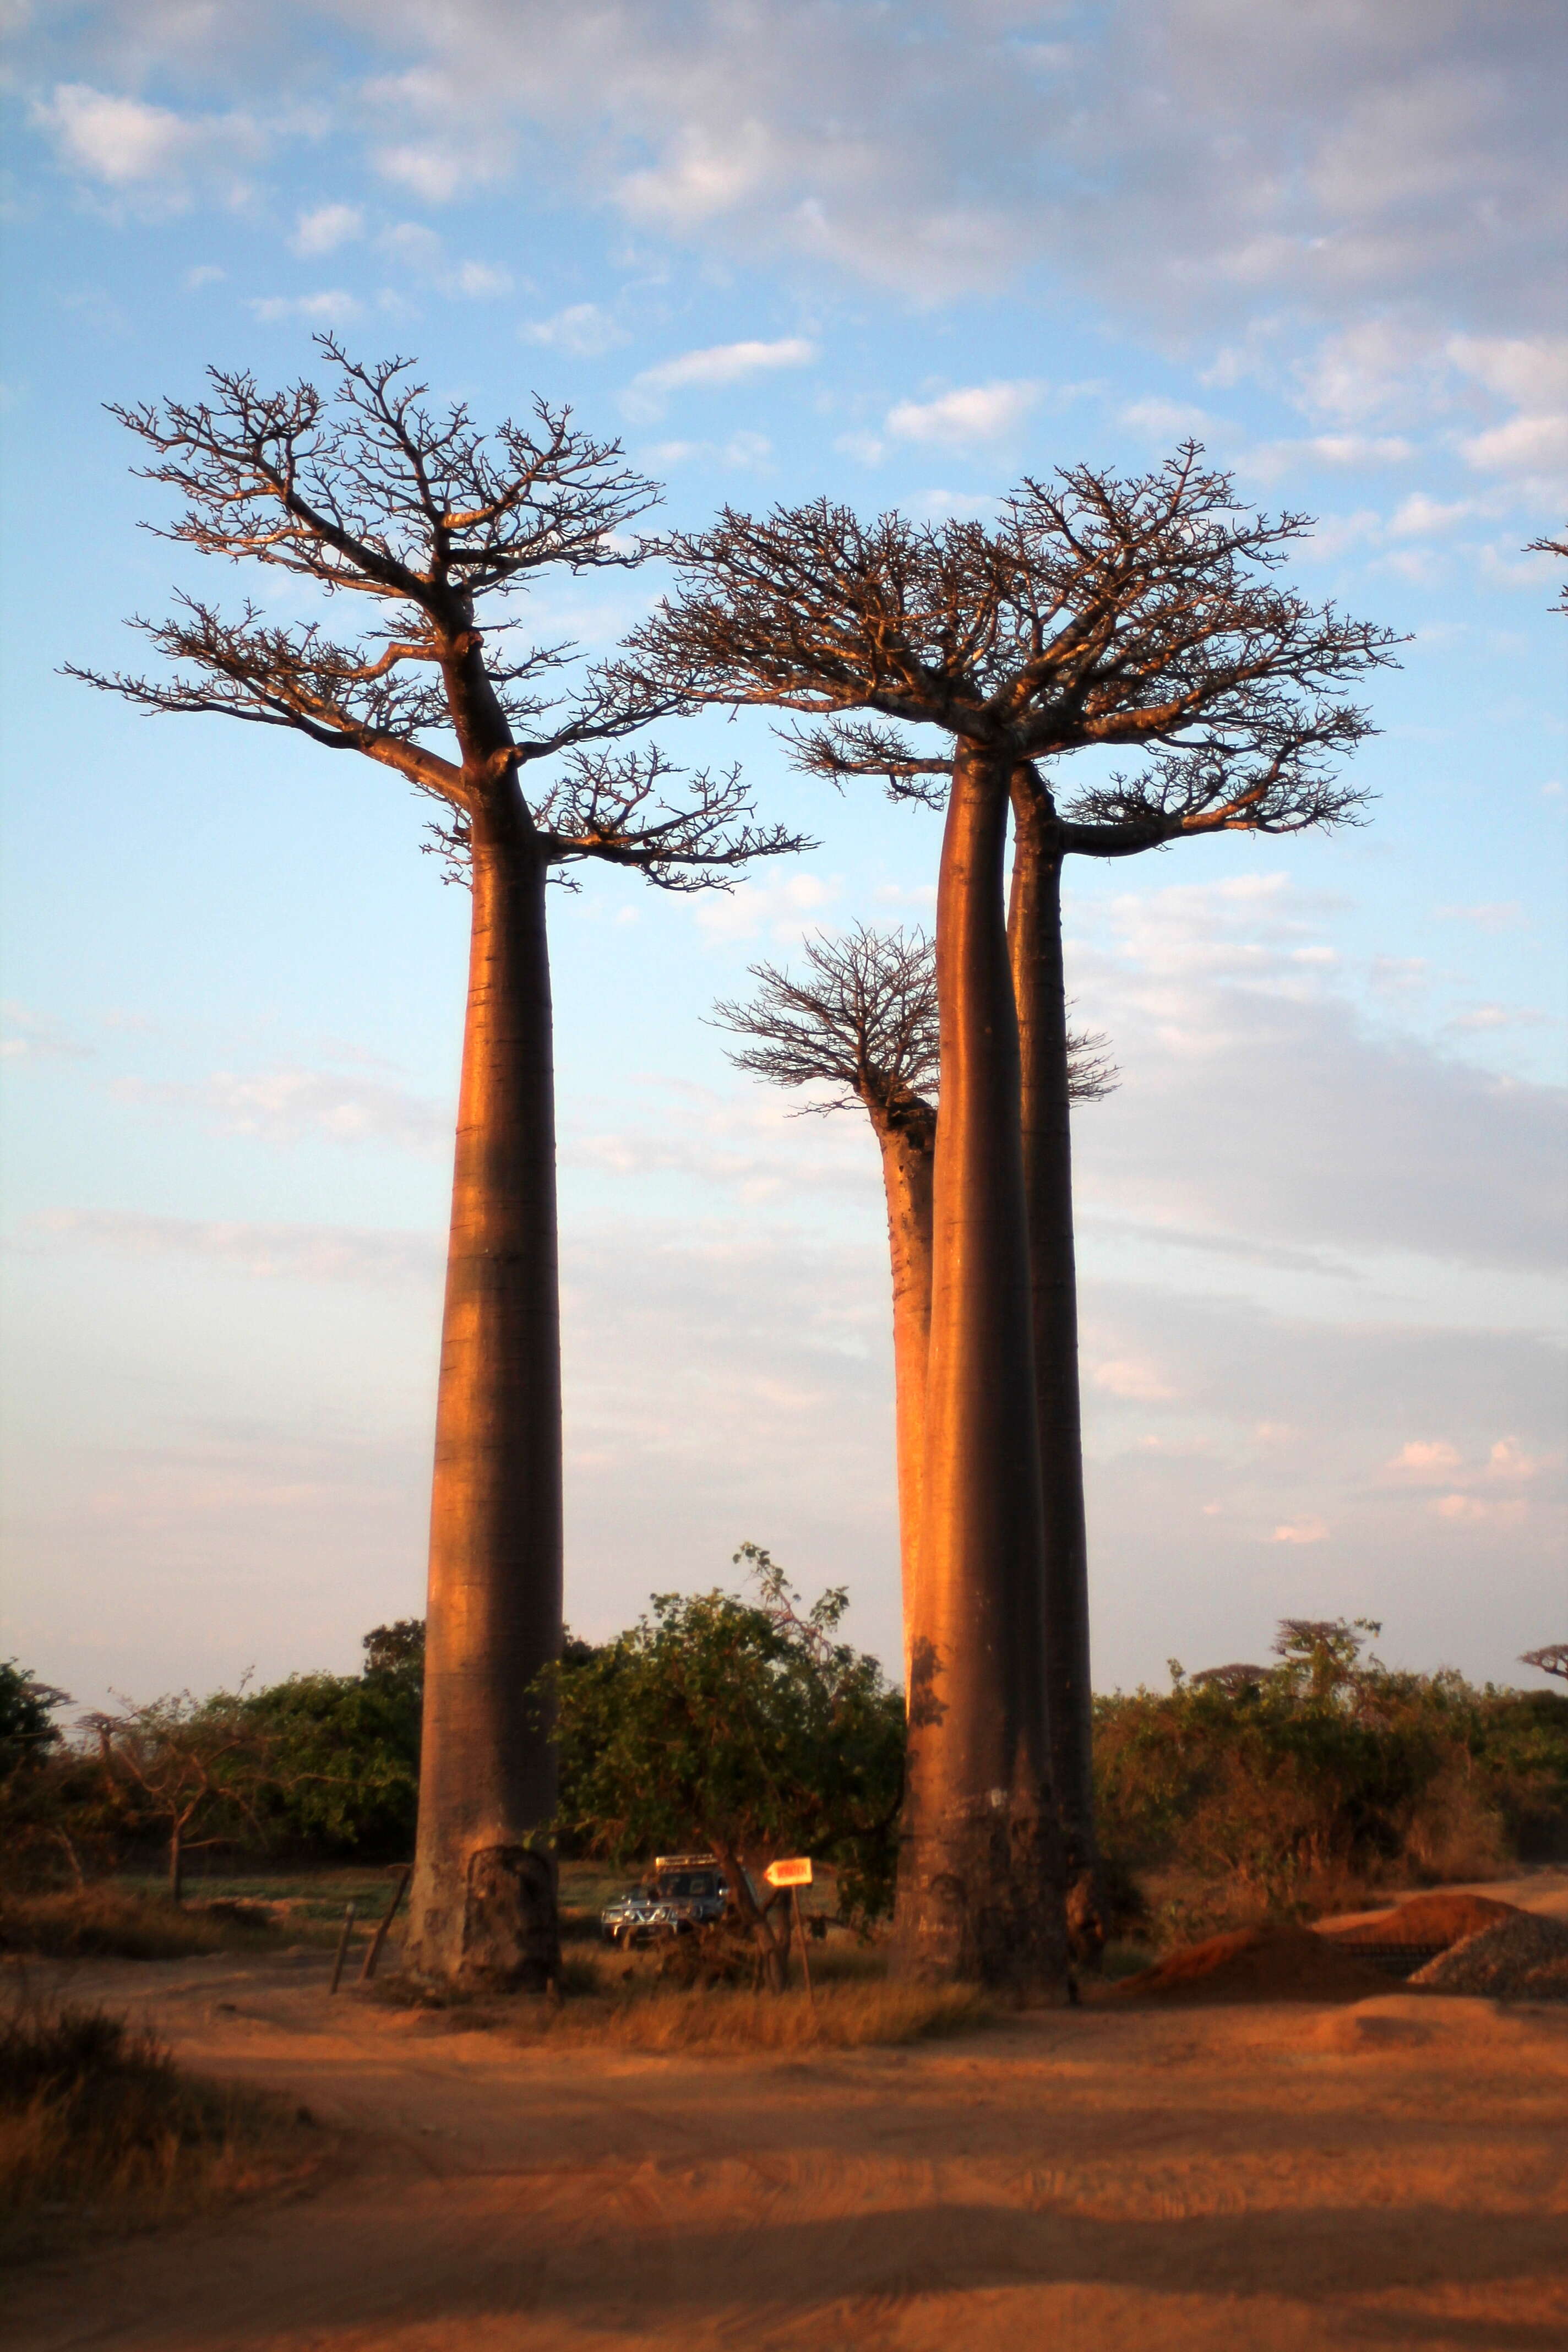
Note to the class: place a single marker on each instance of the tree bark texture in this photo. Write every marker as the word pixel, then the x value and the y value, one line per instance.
pixel 1035 944
pixel 980 1893
pixel 907 1145
pixel 483 1909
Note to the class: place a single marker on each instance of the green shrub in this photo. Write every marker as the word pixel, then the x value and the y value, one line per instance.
pixel 1282 1782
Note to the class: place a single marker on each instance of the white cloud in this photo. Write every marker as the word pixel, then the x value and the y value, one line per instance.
pixel 147 153
pixel 1256 1102
pixel 327 227
pixel 1525 444
pixel 1426 1458
pixel 1167 420
pixel 31 1036
pixel 718 365
pixel 956 420
pixel 1133 1378
pixel 299 1252
pixel 1487 914
pixel 1301 1531
pixel 739 451
pixel 1419 516
pixel 582 328
pixel 480 280
pixel 333 307
pixel 780 909
pixel 290 1106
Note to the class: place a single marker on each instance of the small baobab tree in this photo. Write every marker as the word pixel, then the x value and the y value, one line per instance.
pixel 858 1025
pixel 1093 613
pixel 364 492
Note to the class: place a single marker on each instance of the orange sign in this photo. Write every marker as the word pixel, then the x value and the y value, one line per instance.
pixel 789 1873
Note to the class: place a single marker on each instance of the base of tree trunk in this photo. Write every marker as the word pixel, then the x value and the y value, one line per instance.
pixel 495 1930
pixel 981 1900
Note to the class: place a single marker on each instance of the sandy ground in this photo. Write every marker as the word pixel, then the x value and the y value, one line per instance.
pixel 1394 2174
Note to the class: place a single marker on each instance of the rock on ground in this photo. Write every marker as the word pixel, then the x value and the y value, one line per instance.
pixel 1522 1958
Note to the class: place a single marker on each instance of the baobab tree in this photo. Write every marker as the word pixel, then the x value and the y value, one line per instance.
pixel 858 1025
pixel 1092 613
pixel 366 492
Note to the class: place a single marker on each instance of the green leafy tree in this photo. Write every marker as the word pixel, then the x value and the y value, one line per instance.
pixel 343 1750
pixel 28 1729
pixel 744 1725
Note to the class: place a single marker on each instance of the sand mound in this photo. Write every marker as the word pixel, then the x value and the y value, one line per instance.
pixel 1519 1959
pixel 1255 1964
pixel 1440 1917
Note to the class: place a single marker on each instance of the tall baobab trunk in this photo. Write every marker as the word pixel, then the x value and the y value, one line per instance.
pixel 979 1881
pixel 1035 944
pixel 907 1136
pixel 484 1907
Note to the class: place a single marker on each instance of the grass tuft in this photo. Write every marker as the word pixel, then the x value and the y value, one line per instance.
pixel 98 2125
pixel 112 1924
pixel 637 2011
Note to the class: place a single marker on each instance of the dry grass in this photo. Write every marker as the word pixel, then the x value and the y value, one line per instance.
pixel 611 2006
pixel 98 2127
pixel 115 1923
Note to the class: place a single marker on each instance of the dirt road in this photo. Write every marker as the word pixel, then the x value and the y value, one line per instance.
pixel 1394 2174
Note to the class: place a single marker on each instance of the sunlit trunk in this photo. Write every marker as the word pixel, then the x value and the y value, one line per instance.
pixel 1035 943
pixel 483 1909
pixel 980 1892
pixel 907 1140
pixel 176 1864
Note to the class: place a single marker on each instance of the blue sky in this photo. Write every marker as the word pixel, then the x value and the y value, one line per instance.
pixel 900 256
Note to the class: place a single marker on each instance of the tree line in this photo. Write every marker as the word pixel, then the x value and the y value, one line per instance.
pixel 1142 615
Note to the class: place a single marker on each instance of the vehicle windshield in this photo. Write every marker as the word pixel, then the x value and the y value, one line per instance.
pixel 686 1885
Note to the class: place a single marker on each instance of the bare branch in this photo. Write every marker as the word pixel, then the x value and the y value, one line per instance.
pixel 862 1021
pixel 617 807
pixel 1141 612
pixel 1553 546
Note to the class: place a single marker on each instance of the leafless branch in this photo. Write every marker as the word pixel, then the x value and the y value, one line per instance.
pixel 862 1021
pixel 1552 547
pixel 1140 611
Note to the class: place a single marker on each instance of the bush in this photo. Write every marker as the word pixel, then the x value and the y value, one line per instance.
pixel 1282 1785
pixel 744 1726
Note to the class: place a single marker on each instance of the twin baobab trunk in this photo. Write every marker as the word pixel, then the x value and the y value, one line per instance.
pixel 1035 943
pixel 907 1135
pixel 979 1882
pixel 483 1909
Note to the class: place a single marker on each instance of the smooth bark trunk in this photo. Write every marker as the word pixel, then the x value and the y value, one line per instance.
pixel 907 1142
pixel 1034 943
pixel 483 1902
pixel 177 1864
pixel 980 1895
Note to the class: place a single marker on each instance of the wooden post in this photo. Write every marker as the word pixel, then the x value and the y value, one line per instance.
pixel 372 1950
pixel 342 1947
pixel 800 1931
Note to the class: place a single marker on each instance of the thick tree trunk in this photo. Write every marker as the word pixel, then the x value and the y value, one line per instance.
pixel 483 1909
pixel 907 1142
pixel 980 1892
pixel 1034 943
pixel 176 1864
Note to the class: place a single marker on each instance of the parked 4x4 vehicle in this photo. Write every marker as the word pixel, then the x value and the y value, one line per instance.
pixel 686 1891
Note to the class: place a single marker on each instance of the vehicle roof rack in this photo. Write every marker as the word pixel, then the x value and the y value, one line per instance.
pixel 687 1861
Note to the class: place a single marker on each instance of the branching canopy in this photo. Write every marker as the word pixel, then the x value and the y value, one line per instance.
pixel 1141 613
pixel 366 491
pixel 862 1021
